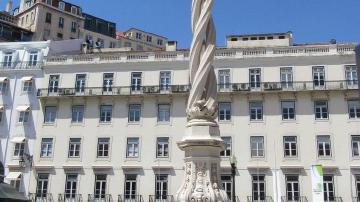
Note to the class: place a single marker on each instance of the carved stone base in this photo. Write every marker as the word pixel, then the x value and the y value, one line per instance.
pixel 202 146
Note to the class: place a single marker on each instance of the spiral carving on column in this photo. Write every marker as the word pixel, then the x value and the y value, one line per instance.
pixel 203 95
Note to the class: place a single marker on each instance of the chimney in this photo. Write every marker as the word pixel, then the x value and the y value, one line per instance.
pixel 9 6
pixel 171 46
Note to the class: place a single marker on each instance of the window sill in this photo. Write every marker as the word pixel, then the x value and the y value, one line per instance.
pixel 257 159
pixel 319 158
pixel 132 159
pixel 257 121
pixel 73 159
pixel 352 120
pixel 46 158
pixel 75 124
pixel 134 123
pixel 105 124
pixel 164 123
pixel 285 158
pixel 22 124
pixel 321 120
pixel 225 122
pixel 49 124
pixel 103 159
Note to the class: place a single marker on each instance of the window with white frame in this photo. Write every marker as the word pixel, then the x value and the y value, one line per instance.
pixel 354 109
pixel 53 83
pixel 256 111
pixel 24 116
pixel 161 187
pixel 319 77
pixel 74 147
pixel 77 114
pixel 33 58
pixel 224 79
pixel 130 187
pixel 288 110
pixel 258 188
pixel 226 182
pixel 19 148
pixel 357 185
pixel 49 2
pixel 257 146
pixel 42 185
pixel 7 59
pixel 61 5
pixel 149 39
pixel 16 183
pixel 255 78
pixel 355 145
pixel 292 188
pixel 132 149
pixel 165 80
pixel 164 113
pixel 138 35
pixel 27 85
pixel 73 27
pixel 108 79
pixel 286 76
pixel 321 110
pixel 290 146
pixel 71 185
pixel 351 75
pixel 227 151
pixel 50 114
pixel 162 147
pixel 324 146
pixel 80 83
pixel 46 147
pixel 225 111
pixel 105 113
pixel 103 147
pixel 100 186
pixel 329 188
pixel 134 113
pixel 160 42
pixel 136 81
pixel 74 10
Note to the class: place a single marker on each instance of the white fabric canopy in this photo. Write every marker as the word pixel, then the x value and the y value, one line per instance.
pixel 23 108
pixel 18 139
pixel 13 175
pixel 3 79
pixel 27 78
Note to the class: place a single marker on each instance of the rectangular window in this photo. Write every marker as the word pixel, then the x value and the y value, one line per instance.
pixel 27 86
pixel 255 78
pixel 321 110
pixel 257 147
pixel 224 111
pixel 19 149
pixel 256 111
pixel 108 79
pixel 319 77
pixel 355 144
pixel 74 10
pixel 42 186
pixel 130 187
pixel 33 58
pixel 105 113
pixel 16 183
pixel 62 6
pixel 7 62
pixel 357 184
pixel 103 147
pixel 49 2
pixel 351 76
pixel 292 188
pixel 159 42
pixel 71 187
pixel 134 113
pixel 100 186
pixel 46 147
pixel 258 188
pixel 162 148
pixel 24 117
pixel 164 113
pixel 50 114
pixel 74 147
pixel 136 81
pixel 227 151
pixel 165 80
pixel 286 77
pixel 324 146
pixel 132 150
pixel 224 79
pixel 329 190
pixel 288 110
pixel 354 109
pixel 77 114
pixel 73 27
pixel 149 39
pixel 53 83
pixel 290 146
pixel 226 182
pixel 48 18
pixel 161 187
pixel 80 83
pixel 138 35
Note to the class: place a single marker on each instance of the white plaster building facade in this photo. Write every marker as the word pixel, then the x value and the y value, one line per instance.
pixel 109 123
pixel 20 76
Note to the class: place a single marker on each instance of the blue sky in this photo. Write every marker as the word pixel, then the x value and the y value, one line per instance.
pixel 309 20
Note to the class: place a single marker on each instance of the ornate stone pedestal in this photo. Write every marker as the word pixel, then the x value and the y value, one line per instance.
pixel 202 146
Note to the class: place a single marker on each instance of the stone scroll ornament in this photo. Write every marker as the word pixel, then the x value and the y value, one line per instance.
pixel 202 103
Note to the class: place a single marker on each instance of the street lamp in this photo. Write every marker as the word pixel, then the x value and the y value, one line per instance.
pixel 233 163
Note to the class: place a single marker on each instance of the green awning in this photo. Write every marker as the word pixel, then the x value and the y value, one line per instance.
pixel 8 193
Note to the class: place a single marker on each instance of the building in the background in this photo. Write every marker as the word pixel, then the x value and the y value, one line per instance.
pixel 140 40
pixel 20 75
pixel 10 31
pixel 259 40
pixel 111 122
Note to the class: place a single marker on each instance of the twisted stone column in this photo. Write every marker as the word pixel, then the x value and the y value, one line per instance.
pixel 202 143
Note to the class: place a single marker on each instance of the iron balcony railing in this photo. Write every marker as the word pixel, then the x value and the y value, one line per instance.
pixel 41 197
pixel 25 65
pixel 161 198
pixel 100 198
pixel 67 197
pixel 333 199
pixel 108 91
pixel 130 198
pixel 260 199
pixel 294 199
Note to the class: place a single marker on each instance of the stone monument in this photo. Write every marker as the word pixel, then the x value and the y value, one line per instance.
pixel 202 143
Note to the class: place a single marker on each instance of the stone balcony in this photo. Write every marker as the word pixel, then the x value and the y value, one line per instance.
pixel 25 65
pixel 103 57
